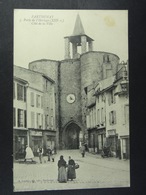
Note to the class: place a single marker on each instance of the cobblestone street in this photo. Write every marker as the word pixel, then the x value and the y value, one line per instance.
pixel 94 172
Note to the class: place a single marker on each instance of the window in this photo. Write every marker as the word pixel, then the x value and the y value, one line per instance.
pixel 103 98
pixel 98 116
pixel 52 121
pixel 106 58
pixel 32 98
pixel 41 101
pixel 112 117
pixel 111 97
pixel 47 121
pixel 39 123
pixel 38 101
pixel 32 120
pixel 13 90
pixel 42 121
pixel 20 92
pixel 14 117
pixel 126 114
pixel 20 118
pixel 102 115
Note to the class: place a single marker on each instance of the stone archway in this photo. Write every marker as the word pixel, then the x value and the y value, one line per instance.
pixel 71 136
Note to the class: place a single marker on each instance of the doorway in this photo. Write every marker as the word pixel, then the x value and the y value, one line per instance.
pixel 71 137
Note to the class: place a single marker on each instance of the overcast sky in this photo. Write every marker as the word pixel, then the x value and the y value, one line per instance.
pixel 39 34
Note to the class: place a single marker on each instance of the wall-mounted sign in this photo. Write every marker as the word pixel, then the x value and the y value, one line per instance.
pixel 36 133
pixel 112 132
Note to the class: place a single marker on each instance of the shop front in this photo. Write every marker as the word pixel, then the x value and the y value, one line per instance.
pixel 19 143
pixel 112 142
pixel 49 140
pixel 125 147
pixel 92 140
pixel 35 140
pixel 100 140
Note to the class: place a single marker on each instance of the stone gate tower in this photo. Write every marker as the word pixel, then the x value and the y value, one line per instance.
pixel 80 68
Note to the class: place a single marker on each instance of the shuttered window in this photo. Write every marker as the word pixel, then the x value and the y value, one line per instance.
pixel 20 118
pixel 32 120
pixel 102 115
pixel 20 92
pixel 111 97
pixel 126 114
pixel 32 98
pixel 38 101
pixel 112 117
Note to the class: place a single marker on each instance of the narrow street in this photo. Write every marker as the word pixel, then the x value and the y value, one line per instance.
pixel 94 172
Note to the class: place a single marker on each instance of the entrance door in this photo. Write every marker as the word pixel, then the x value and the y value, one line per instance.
pixel 72 136
pixel 127 148
pixel 20 143
pixel 36 143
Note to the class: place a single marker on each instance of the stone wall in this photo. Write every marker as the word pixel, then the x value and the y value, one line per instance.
pixel 70 79
pixel 34 79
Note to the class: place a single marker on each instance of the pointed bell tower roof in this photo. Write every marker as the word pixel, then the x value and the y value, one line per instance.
pixel 78 32
pixel 78 28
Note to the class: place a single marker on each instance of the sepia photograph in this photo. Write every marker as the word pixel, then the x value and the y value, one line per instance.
pixel 70 99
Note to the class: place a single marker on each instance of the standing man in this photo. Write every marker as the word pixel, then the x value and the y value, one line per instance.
pixel 40 152
pixel 49 152
pixel 82 149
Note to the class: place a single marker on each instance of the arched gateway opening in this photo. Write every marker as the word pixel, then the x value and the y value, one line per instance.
pixel 71 136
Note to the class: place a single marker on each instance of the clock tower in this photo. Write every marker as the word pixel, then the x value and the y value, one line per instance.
pixel 71 123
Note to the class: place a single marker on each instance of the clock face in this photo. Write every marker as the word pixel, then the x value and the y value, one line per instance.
pixel 70 98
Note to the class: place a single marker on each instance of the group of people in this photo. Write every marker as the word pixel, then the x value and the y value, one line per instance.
pixel 66 171
pixel 30 156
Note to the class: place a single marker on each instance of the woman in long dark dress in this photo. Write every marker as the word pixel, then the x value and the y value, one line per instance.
pixel 62 175
pixel 71 173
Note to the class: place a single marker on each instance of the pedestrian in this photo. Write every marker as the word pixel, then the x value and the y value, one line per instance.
pixel 40 153
pixel 62 174
pixel 82 149
pixel 49 153
pixel 53 155
pixel 71 173
pixel 29 154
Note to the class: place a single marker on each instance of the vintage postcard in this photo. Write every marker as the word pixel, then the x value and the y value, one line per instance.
pixel 70 100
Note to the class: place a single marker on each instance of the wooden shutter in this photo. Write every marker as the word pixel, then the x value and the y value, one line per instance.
pixel 114 115
pixel 110 121
pixel 32 98
pixel 24 94
pixel 14 117
pixel 32 120
pixel 25 119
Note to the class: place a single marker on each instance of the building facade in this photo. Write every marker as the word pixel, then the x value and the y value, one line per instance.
pixel 108 114
pixel 36 111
